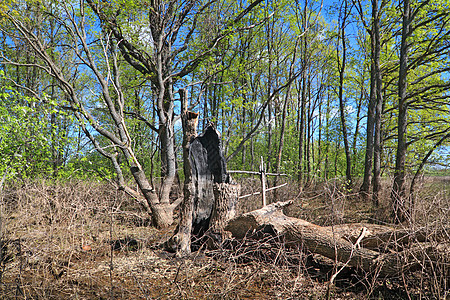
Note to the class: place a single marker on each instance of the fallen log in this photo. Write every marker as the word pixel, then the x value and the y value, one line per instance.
pixel 382 237
pixel 329 242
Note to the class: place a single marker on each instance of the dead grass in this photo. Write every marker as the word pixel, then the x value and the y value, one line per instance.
pixel 84 240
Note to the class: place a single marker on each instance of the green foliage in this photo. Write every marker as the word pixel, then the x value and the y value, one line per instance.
pixel 237 79
pixel 24 136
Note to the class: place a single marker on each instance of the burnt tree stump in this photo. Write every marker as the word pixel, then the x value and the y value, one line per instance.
pixel 204 167
pixel 208 167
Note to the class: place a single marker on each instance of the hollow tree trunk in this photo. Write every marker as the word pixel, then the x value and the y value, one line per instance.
pixel 204 166
pixel 208 167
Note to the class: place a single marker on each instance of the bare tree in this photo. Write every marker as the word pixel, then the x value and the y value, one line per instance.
pixel 345 12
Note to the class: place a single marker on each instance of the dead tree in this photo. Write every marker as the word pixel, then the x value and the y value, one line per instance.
pixel 210 197
pixel 345 243
pixel 181 241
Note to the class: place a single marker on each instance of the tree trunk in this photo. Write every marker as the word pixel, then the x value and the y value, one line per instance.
pixel 270 46
pixel 327 138
pixel 162 213
pixel 328 242
pixel 283 122
pixel 377 155
pixel 282 130
pixel 301 131
pixel 226 196
pixel 308 137
pixel 378 237
pixel 181 241
pixel 204 167
pixel 167 140
pixel 378 107
pixel 377 150
pixel 302 99
pixel 365 187
pixel 358 120
pixel 269 136
pixel 398 189
pixel 319 144
pixel 348 170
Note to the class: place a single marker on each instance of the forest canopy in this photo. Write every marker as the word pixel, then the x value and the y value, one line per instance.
pixel 355 90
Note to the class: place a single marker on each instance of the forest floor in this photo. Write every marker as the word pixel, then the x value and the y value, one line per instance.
pixel 84 240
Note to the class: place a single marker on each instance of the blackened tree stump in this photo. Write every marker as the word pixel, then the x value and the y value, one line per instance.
pixel 204 167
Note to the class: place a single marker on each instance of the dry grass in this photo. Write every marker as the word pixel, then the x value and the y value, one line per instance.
pixel 84 240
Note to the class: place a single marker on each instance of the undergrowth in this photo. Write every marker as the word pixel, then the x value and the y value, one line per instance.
pixel 85 240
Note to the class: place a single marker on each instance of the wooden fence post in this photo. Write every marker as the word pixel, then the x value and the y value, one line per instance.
pixel 262 171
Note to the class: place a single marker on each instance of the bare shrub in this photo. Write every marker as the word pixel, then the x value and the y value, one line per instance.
pixel 431 215
pixel 47 227
pixel 86 240
pixel 329 203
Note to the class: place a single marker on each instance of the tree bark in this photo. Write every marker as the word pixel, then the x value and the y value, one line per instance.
pixel 270 83
pixel 377 150
pixel 378 106
pixel 162 213
pixel 204 167
pixel 365 187
pixel 302 98
pixel 301 131
pixel 381 237
pixel 357 125
pixel 226 196
pixel 283 121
